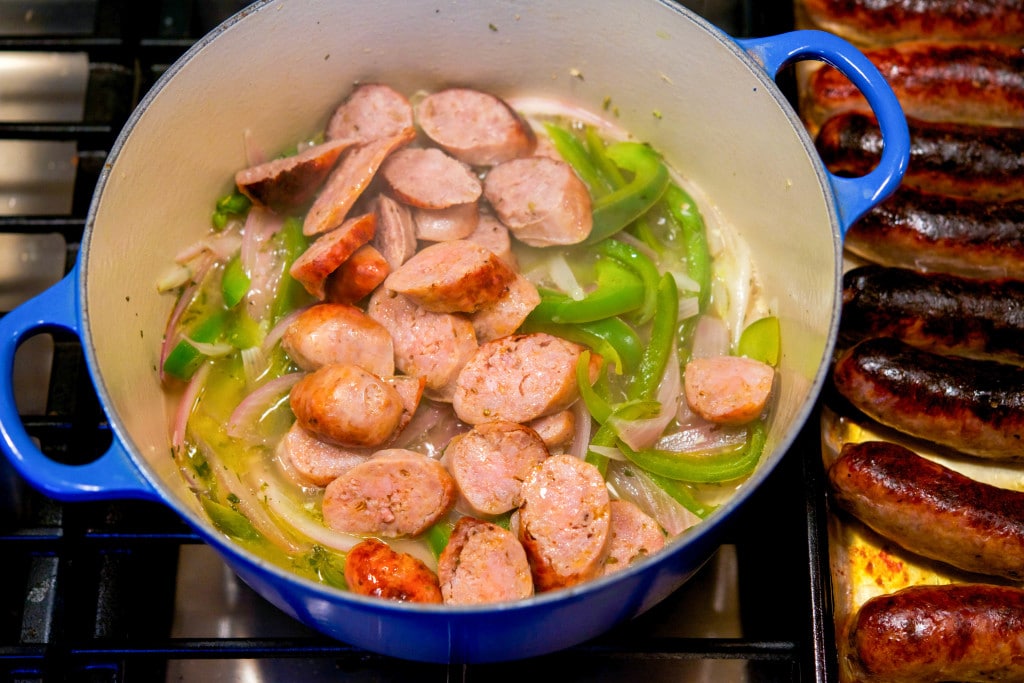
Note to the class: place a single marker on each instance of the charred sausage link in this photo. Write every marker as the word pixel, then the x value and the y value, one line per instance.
pixel 973 406
pixel 930 509
pixel 956 159
pixel 933 232
pixel 939 312
pixel 927 634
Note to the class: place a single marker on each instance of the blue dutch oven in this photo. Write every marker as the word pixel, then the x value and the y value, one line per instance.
pixel 277 70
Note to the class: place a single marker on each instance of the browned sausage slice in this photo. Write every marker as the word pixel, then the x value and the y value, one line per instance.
pixel 395 493
pixel 502 317
pixel 359 275
pixel 347 405
pixel 452 277
pixel 427 178
pixel 288 184
pixel 373 568
pixel 339 333
pixel 441 225
pixel 483 563
pixel 731 390
pixel 371 111
pixel 490 462
pixel 349 179
pixel 541 200
pixel 475 127
pixel 314 462
pixel 564 522
pixel 927 634
pixel 396 232
pixel 434 346
pixel 633 536
pixel 519 378
pixel 327 253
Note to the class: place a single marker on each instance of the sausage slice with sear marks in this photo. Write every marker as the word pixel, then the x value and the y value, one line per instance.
pixel 395 493
pixel 564 522
pixel 373 568
pixel 287 184
pixel 312 268
pixel 483 563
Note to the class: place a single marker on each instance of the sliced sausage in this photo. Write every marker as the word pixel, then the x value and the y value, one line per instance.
pixel 370 111
pixel 492 234
pixel 311 461
pixel 452 277
pixel 731 390
pixel 541 200
pixel 339 333
pixel 519 378
pixel 312 268
pixel 555 430
pixel 373 568
pixel 973 406
pixel 564 522
pixel 395 237
pixel 434 346
pixel 490 462
pixel 395 493
pixel 357 277
pixel 930 509
pixel 928 634
pixel 349 179
pixel 347 405
pixel 410 391
pixel 288 184
pixel 475 127
pixel 427 178
pixel 502 317
pixel 442 225
pixel 633 535
pixel 483 563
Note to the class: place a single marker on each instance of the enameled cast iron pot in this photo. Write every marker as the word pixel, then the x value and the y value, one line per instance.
pixel 278 69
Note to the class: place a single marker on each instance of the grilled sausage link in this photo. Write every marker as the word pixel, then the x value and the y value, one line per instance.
pixel 973 406
pixel 930 509
pixel 956 159
pixel 932 232
pixel 935 311
pixel 922 634
pixel 967 82
pixel 888 21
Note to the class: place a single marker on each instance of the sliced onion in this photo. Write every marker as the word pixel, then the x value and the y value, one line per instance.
pixel 632 484
pixel 185 406
pixel 222 245
pixel 260 261
pixel 703 436
pixel 212 350
pixel 277 331
pixel 710 338
pixel 174 277
pixel 582 426
pixel 689 306
pixel 563 277
pixel 254 406
pixel 685 283
pixel 610 452
pixel 639 434
pixel 254 363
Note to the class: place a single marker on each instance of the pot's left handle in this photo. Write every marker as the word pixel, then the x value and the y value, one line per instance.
pixel 854 196
pixel 112 475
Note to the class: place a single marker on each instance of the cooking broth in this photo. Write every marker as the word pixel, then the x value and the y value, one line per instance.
pixel 226 358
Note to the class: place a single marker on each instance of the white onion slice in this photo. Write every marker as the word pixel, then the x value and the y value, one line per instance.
pixel 185 405
pixel 583 425
pixel 710 338
pixel 632 484
pixel 639 434
pixel 564 278
pixel 255 405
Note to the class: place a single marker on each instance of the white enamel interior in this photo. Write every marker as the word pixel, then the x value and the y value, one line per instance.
pixel 674 81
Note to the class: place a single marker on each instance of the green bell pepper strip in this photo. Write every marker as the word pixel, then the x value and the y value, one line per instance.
pixel 613 339
pixel 235 203
pixel 686 217
pixel 184 359
pixel 598 406
pixel 575 154
pixel 230 521
pixel 619 290
pixel 604 436
pixel 328 566
pixel 644 384
pixel 642 266
pixel 702 468
pixel 598 152
pixel 241 331
pixel 761 340
pixel 234 282
pixel 682 493
pixel 614 211
pixel 437 536
pixel 290 295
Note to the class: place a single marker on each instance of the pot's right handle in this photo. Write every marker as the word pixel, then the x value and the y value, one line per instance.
pixel 854 196
pixel 113 474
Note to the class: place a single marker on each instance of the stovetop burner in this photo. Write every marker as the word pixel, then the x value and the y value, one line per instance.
pixel 124 591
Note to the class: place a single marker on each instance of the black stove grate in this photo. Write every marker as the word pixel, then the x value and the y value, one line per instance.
pixel 90 587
